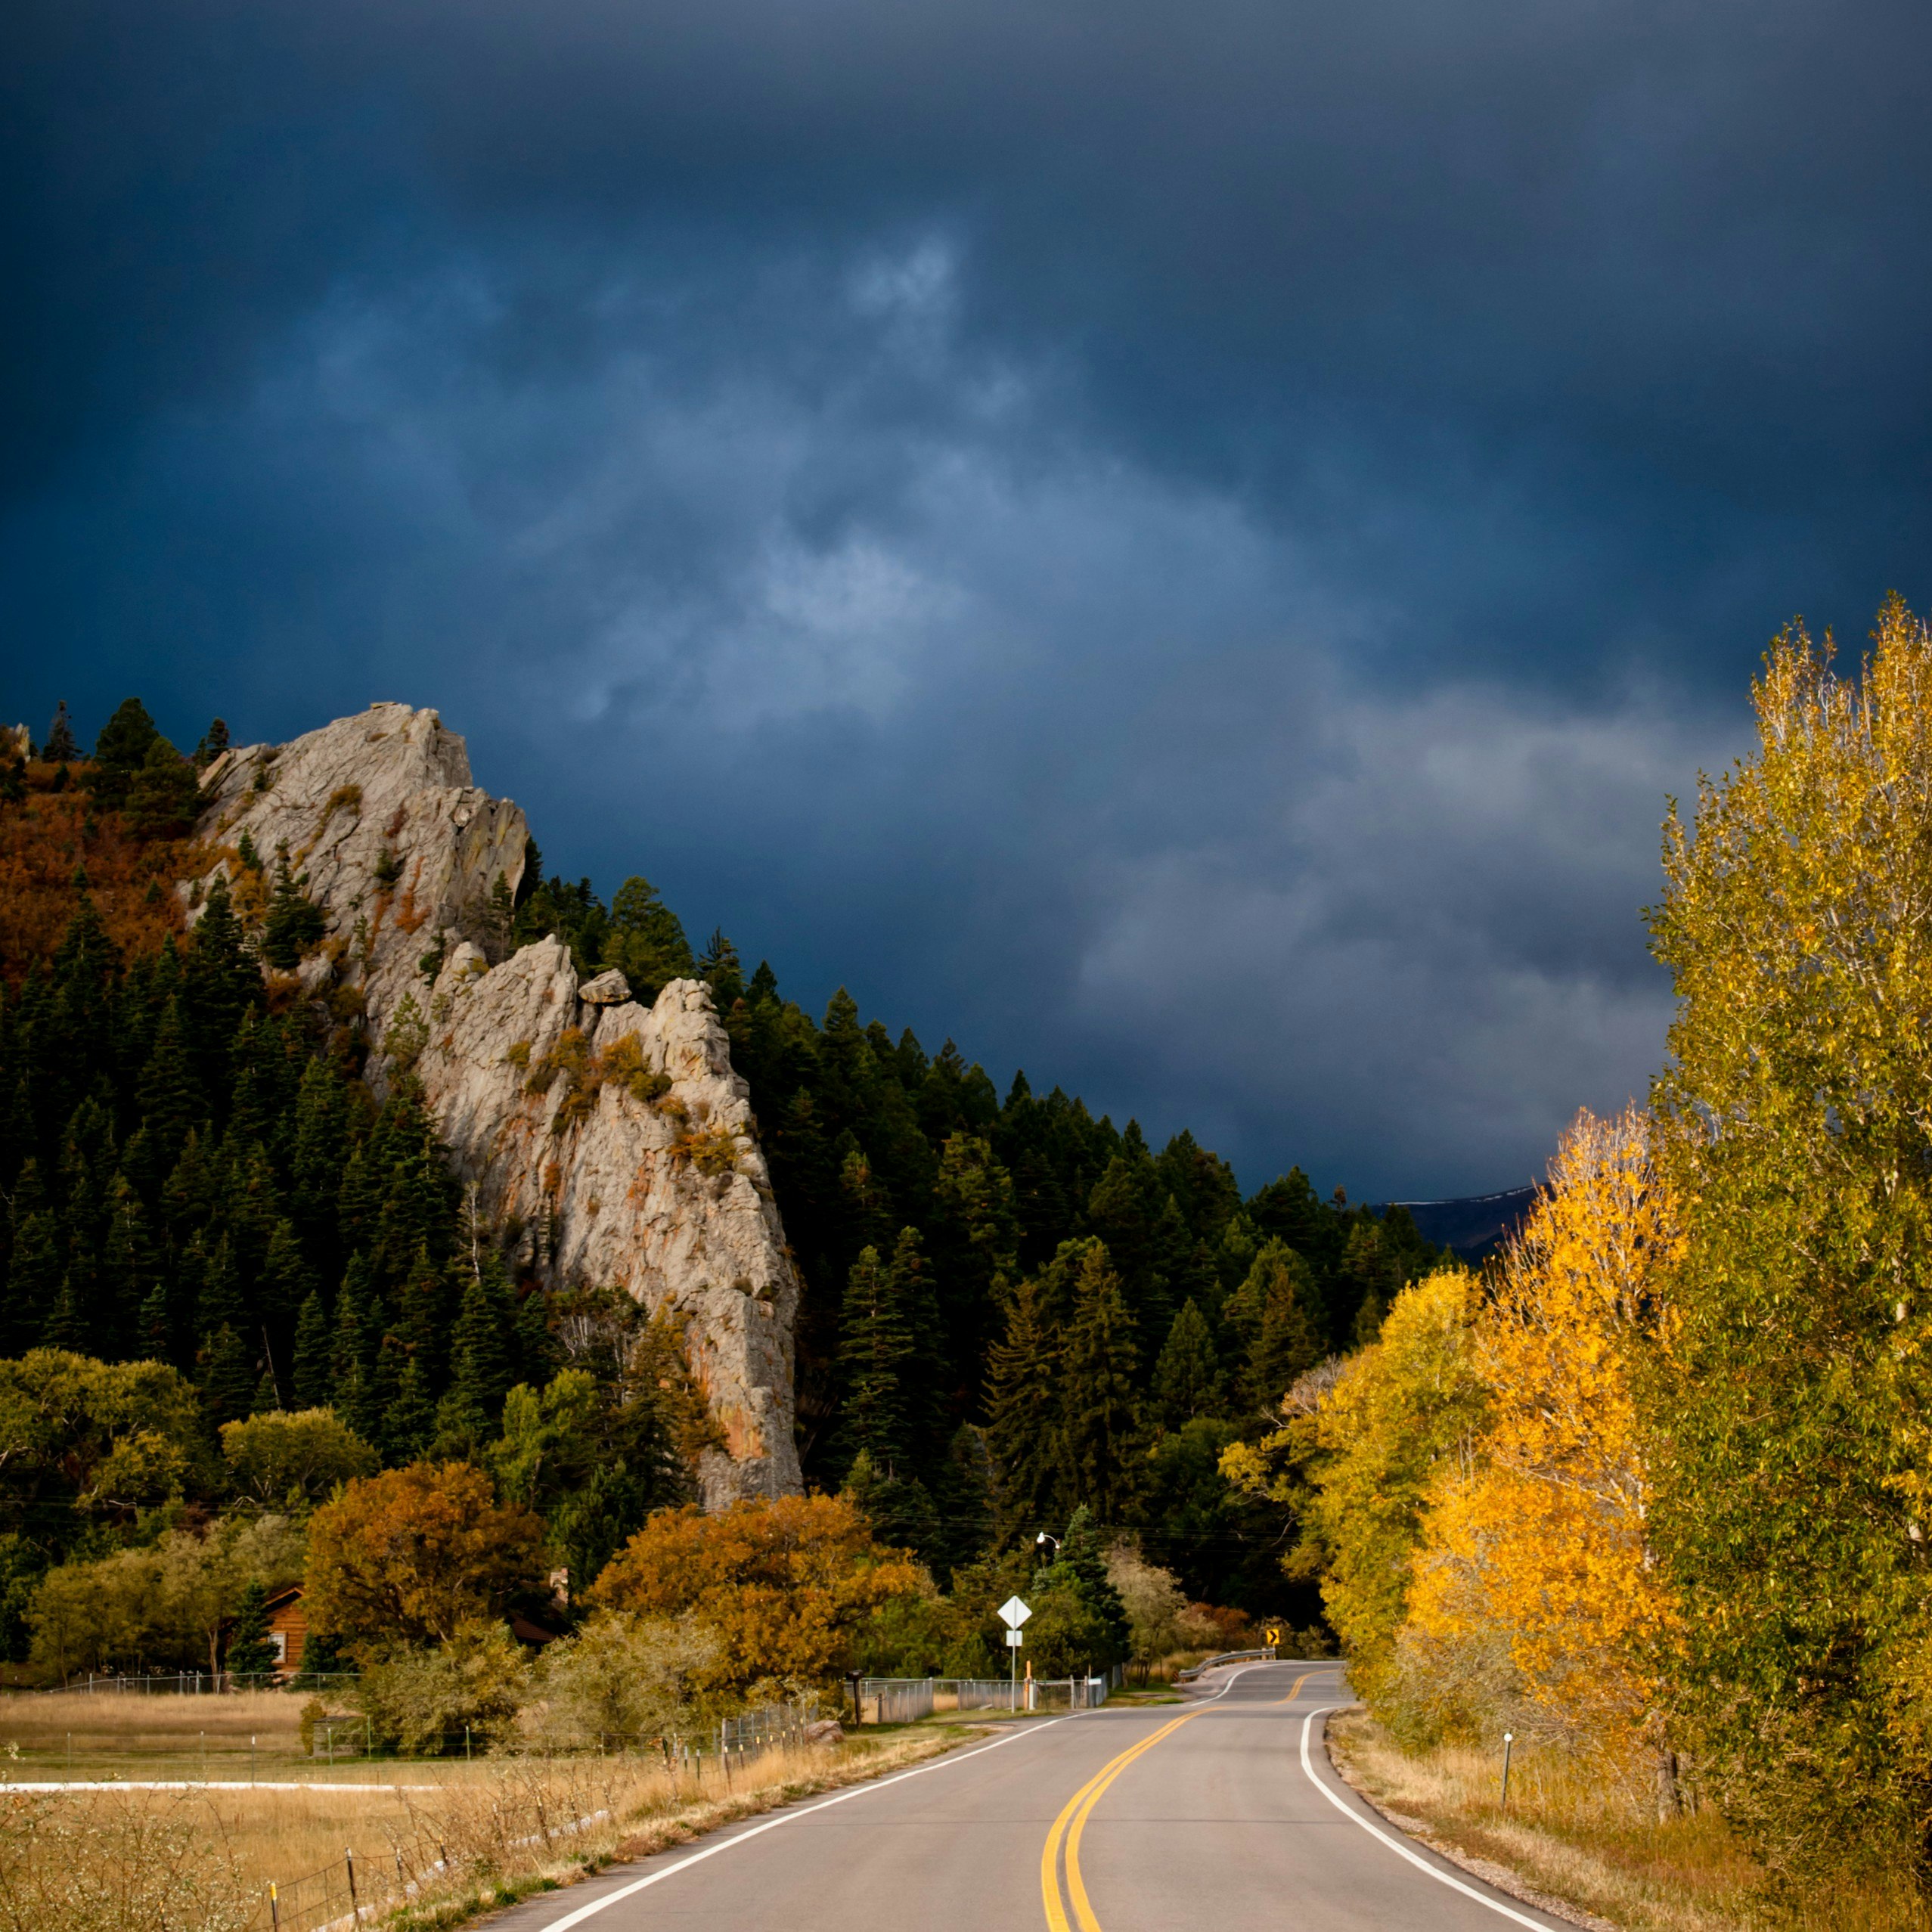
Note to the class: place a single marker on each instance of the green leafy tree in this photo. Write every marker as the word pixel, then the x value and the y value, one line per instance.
pixel 1791 1400
pixel 283 1460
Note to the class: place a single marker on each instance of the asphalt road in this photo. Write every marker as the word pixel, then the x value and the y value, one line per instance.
pixel 1222 1815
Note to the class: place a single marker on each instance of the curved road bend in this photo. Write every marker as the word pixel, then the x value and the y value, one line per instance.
pixel 1222 1815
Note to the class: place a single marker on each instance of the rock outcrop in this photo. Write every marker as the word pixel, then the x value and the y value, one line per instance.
pixel 607 1141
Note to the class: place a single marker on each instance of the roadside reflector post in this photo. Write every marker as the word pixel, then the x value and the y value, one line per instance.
pixel 1508 1740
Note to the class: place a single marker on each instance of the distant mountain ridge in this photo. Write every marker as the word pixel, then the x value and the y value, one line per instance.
pixel 1473 1227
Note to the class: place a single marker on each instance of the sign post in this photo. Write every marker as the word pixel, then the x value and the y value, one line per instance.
pixel 1013 1614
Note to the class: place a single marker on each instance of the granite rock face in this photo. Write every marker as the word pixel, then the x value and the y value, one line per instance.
pixel 608 1141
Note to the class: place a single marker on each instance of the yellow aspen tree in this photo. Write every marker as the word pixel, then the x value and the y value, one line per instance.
pixel 1356 1460
pixel 1540 1549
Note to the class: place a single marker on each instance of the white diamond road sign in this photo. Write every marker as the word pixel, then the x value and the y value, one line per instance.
pixel 1014 1612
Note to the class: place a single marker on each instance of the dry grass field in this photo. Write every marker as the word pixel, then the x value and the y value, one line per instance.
pixel 433 1842
pixel 1580 1842
pixel 58 1733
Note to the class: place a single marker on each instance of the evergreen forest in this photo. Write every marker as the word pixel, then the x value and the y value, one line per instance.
pixel 1012 1309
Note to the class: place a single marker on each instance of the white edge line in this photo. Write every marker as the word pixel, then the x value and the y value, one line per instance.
pixel 1396 1845
pixel 585 1912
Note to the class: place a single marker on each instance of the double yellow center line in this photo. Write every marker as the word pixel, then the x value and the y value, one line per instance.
pixel 1072 1822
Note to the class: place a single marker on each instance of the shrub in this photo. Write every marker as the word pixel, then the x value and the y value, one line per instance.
pixel 420 1701
pixel 621 1678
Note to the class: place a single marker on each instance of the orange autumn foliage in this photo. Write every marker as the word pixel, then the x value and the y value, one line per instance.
pixel 416 1552
pixel 42 839
pixel 1536 1549
pixel 784 1584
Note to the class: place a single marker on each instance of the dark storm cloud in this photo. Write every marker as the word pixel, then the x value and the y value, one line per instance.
pixel 1186 544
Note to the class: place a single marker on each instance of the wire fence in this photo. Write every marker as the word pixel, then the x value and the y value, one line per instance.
pixel 344 1892
pixel 188 1683
pixel 530 1804
pixel 906 1700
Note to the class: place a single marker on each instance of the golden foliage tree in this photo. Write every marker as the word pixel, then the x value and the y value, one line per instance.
pixel 414 1553
pixel 1359 1456
pixel 786 1584
pixel 1535 1586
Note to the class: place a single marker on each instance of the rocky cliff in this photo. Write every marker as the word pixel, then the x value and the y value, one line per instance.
pixel 607 1141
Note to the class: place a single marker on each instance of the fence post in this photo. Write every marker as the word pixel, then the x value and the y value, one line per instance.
pixel 355 1907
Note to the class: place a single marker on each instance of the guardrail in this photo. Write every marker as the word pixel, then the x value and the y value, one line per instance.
pixel 1226 1657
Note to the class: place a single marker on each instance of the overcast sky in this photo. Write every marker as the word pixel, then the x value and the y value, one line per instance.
pixel 1184 546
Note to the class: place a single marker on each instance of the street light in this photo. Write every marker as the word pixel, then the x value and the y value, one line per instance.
pixel 1044 1537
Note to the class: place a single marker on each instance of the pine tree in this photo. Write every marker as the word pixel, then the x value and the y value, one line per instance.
pixel 1023 1416
pixel 218 1302
pixel 33 1281
pixel 976 1239
pixel 163 795
pixel 875 1352
pixel 134 1272
pixel 320 1155
pixel 422 1321
pixel 354 1350
pixel 61 747
pixel 171 1095
pixel 1080 1565
pixel 220 982
pixel 314 1382
pixel 899 1507
pixel 157 1340
pixel 1099 1429
pixel 267 1398
pixel 718 967
pixel 1125 1210
pixel 293 925
pixel 1277 1313
pixel 121 750
pixel 926 1371
pixel 409 1420
pixel 228 1380
pixel 483 1353
pixel 1187 1377
pixel 250 1656
pixel 69 1324
pixel 286 1283
pixel 645 940
pixel 214 743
